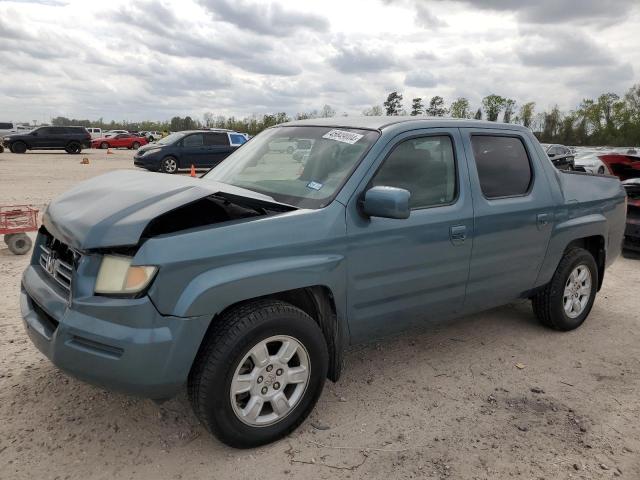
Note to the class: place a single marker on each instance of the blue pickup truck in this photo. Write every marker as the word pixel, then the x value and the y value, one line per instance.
pixel 247 285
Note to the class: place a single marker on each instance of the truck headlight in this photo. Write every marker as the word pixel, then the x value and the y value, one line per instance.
pixel 118 276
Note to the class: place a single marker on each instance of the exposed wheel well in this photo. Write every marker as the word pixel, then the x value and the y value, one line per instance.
pixel 595 245
pixel 319 304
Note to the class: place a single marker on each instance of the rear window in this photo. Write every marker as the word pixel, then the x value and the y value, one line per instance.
pixel 503 165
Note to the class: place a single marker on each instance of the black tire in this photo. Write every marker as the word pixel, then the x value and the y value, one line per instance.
pixel 601 170
pixel 7 236
pixel 19 243
pixel 548 303
pixel 73 148
pixel 136 145
pixel 228 341
pixel 1 149
pixel 104 145
pixel 18 147
pixel 169 165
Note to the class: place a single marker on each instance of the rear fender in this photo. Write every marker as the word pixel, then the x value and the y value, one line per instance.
pixel 566 232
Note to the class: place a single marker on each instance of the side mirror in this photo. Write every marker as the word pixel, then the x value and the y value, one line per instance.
pixel 387 202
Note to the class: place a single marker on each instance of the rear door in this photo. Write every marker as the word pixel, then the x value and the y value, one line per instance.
pixel 218 148
pixel 513 215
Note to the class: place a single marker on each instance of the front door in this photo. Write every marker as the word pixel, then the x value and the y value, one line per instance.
pixel 513 216
pixel 192 150
pixel 408 272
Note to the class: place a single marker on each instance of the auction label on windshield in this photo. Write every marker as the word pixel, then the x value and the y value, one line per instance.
pixel 342 136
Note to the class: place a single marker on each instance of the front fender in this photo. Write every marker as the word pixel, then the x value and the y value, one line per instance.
pixel 210 292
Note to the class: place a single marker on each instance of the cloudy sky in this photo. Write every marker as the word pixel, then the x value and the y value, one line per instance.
pixel 135 60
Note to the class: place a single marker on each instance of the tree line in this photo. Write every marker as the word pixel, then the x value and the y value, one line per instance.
pixel 609 119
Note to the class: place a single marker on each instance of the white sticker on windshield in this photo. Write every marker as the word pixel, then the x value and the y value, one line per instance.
pixel 315 185
pixel 342 136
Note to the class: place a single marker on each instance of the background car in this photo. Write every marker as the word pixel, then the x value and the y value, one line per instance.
pixel 562 157
pixel 632 230
pixel 95 132
pixel 113 133
pixel 622 165
pixel 71 139
pixel 589 161
pixel 122 140
pixel 202 149
pixel 7 128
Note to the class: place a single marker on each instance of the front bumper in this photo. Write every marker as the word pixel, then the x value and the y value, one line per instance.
pixel 150 162
pixel 120 344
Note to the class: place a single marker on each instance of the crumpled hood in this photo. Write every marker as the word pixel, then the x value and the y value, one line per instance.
pixel 113 209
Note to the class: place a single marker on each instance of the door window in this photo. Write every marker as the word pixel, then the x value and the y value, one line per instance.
pixel 425 166
pixel 216 139
pixel 194 140
pixel 503 165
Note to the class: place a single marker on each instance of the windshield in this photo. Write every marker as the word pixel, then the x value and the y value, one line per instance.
pixel 174 137
pixel 300 166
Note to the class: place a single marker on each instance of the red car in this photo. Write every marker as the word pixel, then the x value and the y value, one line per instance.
pixel 122 140
pixel 623 166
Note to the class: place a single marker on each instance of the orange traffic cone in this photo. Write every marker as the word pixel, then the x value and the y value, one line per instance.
pixel 109 152
pixel 193 171
pixel 85 161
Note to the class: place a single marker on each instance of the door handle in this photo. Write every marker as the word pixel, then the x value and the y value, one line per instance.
pixel 542 220
pixel 458 234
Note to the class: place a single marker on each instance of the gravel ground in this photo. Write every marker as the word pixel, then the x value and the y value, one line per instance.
pixel 488 396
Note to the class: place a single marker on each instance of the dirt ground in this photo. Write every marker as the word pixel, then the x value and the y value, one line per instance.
pixel 489 396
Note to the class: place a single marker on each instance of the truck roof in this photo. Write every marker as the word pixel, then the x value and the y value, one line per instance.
pixel 379 123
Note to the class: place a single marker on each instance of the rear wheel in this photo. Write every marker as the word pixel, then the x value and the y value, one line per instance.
pixel 169 165
pixel 73 148
pixel 19 147
pixel 136 145
pixel 19 243
pixel 601 170
pixel 566 301
pixel 259 373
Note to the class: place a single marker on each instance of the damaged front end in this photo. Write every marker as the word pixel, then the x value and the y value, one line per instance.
pixel 632 230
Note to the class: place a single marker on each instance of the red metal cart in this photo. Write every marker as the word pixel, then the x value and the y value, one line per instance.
pixel 15 221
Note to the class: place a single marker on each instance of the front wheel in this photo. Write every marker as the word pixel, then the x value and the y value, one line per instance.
pixel 259 373
pixel 136 145
pixel 169 165
pixel 104 145
pixel 566 301
pixel 19 147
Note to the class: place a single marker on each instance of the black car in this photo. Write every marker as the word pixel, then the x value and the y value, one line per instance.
pixel 200 148
pixel 71 139
pixel 562 157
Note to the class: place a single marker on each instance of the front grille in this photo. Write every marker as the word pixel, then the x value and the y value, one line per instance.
pixel 57 261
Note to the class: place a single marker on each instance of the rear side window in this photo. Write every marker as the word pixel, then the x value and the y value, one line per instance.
pixel 217 139
pixel 6 126
pixel 503 165
pixel 424 166
pixel 237 139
